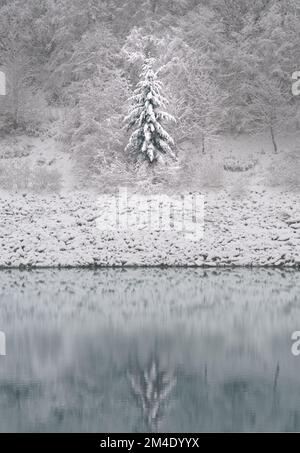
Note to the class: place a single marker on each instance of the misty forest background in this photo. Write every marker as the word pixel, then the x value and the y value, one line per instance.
pixel 225 67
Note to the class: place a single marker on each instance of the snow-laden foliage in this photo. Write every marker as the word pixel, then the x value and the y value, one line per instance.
pixel 149 140
pixel 92 130
pixel 226 68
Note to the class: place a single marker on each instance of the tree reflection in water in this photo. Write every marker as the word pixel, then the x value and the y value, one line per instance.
pixel 152 386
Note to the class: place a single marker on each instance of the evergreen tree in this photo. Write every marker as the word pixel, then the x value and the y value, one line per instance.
pixel 149 140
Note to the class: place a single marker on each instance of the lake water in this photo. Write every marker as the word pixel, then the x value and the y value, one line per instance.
pixel 139 350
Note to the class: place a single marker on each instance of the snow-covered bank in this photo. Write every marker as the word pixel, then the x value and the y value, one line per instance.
pixel 261 229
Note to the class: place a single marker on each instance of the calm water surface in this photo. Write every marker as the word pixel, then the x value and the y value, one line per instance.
pixel 149 350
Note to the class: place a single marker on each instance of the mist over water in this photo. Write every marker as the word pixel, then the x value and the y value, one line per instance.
pixel 174 350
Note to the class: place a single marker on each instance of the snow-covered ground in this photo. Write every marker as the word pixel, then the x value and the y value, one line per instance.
pixel 252 215
pixel 261 228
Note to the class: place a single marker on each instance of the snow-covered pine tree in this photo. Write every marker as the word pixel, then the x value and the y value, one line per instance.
pixel 149 140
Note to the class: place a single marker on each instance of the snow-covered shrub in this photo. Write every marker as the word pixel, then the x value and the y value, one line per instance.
pixel 161 178
pixel 34 113
pixel 117 175
pixel 239 165
pixel 199 171
pixel 15 176
pixel 20 175
pixel 11 147
pixel 239 186
pixel 46 180
pixel 6 124
pixel 32 117
pixel 211 172
pixel 284 172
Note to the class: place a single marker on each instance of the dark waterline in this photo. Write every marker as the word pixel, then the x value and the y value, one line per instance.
pixel 172 350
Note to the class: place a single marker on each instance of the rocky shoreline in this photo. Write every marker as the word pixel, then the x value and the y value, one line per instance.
pixel 260 229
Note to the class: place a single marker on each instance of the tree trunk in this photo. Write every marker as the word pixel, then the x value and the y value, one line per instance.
pixel 153 6
pixel 203 144
pixel 15 119
pixel 15 97
pixel 274 140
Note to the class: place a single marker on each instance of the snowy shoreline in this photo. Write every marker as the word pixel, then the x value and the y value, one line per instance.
pixel 260 229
